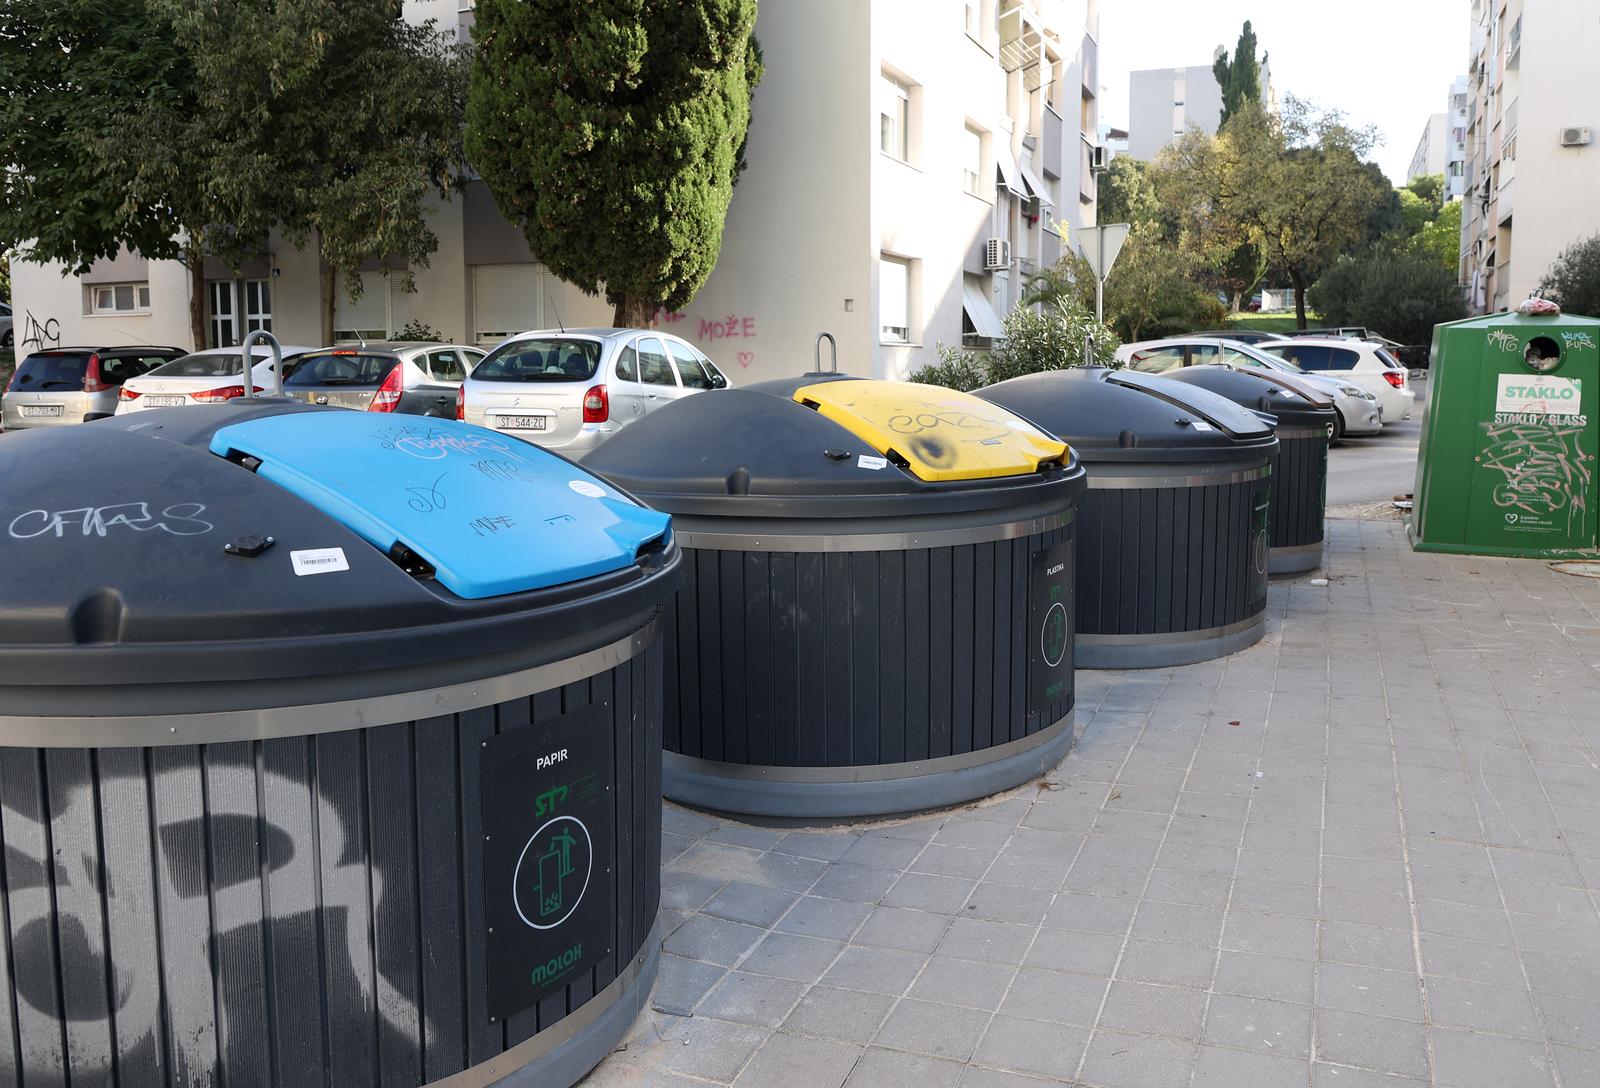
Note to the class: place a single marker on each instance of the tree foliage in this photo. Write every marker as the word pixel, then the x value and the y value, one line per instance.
pixel 1439 240
pixel 1398 294
pixel 1127 192
pixel 1574 279
pixel 610 131
pixel 189 129
pixel 1240 77
pixel 1429 188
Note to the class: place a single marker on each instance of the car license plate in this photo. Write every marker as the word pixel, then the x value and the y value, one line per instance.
pixel 520 423
pixel 166 402
pixel 36 410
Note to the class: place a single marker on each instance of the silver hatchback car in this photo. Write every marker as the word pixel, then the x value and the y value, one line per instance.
pixel 571 389
pixel 73 385
pixel 417 379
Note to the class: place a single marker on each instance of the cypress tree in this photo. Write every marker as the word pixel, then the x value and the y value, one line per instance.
pixel 1240 78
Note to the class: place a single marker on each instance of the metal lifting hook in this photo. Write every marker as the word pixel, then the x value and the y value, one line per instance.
pixel 833 368
pixel 277 361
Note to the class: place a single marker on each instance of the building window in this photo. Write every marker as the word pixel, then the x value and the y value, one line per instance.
pixel 974 18
pixel 221 329
pixel 257 306
pixel 894 300
pixel 119 298
pixel 894 118
pixel 972 161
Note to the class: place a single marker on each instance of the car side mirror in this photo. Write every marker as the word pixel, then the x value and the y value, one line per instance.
pixel 718 382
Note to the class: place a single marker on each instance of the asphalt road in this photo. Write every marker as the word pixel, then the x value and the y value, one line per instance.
pixel 1376 469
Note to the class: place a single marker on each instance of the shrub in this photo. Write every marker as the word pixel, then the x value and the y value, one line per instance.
pixel 419 330
pixel 1398 294
pixel 1034 342
pixel 956 369
pixel 1574 279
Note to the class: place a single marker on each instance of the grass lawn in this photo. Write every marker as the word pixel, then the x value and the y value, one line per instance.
pixel 1281 323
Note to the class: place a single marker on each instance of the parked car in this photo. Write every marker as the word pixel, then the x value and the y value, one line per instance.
pixel 8 338
pixel 1360 362
pixel 1358 409
pixel 73 385
pixel 571 389
pixel 411 378
pixel 1243 336
pixel 203 377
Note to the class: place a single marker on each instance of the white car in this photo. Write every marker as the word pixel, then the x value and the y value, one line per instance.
pixel 1359 362
pixel 204 377
pixel 571 389
pixel 1358 409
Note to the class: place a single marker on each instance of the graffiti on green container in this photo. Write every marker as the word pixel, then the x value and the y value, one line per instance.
pixel 1575 340
pixel 1503 340
pixel 1545 473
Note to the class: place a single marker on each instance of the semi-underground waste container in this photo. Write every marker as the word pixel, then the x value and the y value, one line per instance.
pixel 1300 474
pixel 1172 540
pixel 328 753
pixel 1510 459
pixel 877 615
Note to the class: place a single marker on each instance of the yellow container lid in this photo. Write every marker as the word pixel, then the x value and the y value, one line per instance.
pixel 933 432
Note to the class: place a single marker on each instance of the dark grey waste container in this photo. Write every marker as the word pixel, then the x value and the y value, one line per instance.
pixel 375 803
pixel 877 616
pixel 1300 474
pixel 1172 544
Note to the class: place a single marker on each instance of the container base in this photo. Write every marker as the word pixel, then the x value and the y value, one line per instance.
pixel 1295 560
pixel 564 1055
pixel 1157 651
pixel 879 790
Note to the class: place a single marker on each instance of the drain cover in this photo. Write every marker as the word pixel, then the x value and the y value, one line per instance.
pixel 1583 568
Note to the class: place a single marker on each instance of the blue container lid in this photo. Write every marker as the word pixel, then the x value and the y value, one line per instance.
pixel 491 514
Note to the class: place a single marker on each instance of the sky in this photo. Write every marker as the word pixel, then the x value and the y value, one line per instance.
pixel 1383 62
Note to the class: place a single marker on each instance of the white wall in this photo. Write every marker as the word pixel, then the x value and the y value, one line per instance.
pixel 40 290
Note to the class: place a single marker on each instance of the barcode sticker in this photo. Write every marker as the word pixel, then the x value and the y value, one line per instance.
pixel 319 561
pixel 874 463
pixel 1199 426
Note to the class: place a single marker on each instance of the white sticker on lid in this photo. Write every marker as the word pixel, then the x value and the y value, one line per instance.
pixel 874 463
pixel 584 487
pixel 1199 425
pixel 319 561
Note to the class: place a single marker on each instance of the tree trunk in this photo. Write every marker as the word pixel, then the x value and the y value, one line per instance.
pixel 633 312
pixel 1299 282
pixel 194 257
pixel 329 283
pixel 1238 300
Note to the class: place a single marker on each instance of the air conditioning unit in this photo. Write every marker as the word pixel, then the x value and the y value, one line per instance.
pixel 1097 158
pixel 997 253
pixel 1576 137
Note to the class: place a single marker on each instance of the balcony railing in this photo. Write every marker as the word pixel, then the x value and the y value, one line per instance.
pixel 1514 45
pixel 1021 36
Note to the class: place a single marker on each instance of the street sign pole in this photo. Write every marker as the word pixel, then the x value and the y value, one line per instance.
pixel 1100 277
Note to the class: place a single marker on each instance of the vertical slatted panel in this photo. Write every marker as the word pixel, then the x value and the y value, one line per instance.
pixel 546 704
pixel 733 725
pixel 646 791
pixel 837 679
pixel 814 676
pixel 80 917
pixel 862 638
pixel 981 664
pixel 1149 533
pixel 182 904
pixel 395 917
pixel 233 819
pixel 572 697
pixel 709 662
pixel 1299 490
pixel 290 863
pixel 669 639
pixel 1022 722
pixel 30 879
pixel 1000 668
pixel 10 1061
pixel 758 712
pixel 787 717
pixel 616 694
pixel 1166 548
pixel 941 652
pixel 440 872
pixel 483 1038
pixel 133 943
pixel 688 663
pixel 918 655
pixel 962 618
pixel 892 651
pixel 346 907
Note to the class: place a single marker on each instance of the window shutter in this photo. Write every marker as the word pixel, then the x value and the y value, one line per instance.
pixel 506 300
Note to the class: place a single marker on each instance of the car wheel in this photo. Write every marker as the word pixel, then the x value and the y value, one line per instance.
pixel 1338 428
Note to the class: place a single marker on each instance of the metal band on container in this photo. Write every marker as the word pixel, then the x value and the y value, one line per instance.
pixel 212 727
pixel 1302 432
pixel 1161 637
pixel 872 772
pixel 525 1053
pixel 1313 548
pixel 870 542
pixel 1100 481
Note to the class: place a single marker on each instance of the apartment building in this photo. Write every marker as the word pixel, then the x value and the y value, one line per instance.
pixel 909 164
pixel 1455 159
pixel 1164 103
pixel 1429 157
pixel 1532 144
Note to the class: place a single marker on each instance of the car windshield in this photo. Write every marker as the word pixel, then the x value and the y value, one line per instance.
pixel 50 370
pixel 542 359
pixel 342 368
pixel 200 366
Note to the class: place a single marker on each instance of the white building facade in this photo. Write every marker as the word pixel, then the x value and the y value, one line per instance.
pixel 1429 157
pixel 909 162
pixel 1164 103
pixel 1455 159
pixel 1532 144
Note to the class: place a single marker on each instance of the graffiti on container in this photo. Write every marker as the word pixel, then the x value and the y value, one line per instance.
pixel 179 519
pixel 425 500
pixel 489 526
pixel 432 443
pixel 1544 471
pixel 1504 340
pixel 325 887
pixel 41 336
pixel 505 472
pixel 731 327
pixel 1577 340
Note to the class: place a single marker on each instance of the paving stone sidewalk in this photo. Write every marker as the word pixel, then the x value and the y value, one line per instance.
pixel 1364 853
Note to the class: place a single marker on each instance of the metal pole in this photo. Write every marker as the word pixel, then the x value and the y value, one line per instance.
pixel 277 361
pixel 1100 274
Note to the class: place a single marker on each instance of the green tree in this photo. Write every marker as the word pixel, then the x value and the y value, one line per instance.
pixel 1428 187
pixel 1240 77
pixel 1439 240
pixel 1400 295
pixel 1127 192
pixel 611 131
pixel 1574 279
pixel 1415 212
